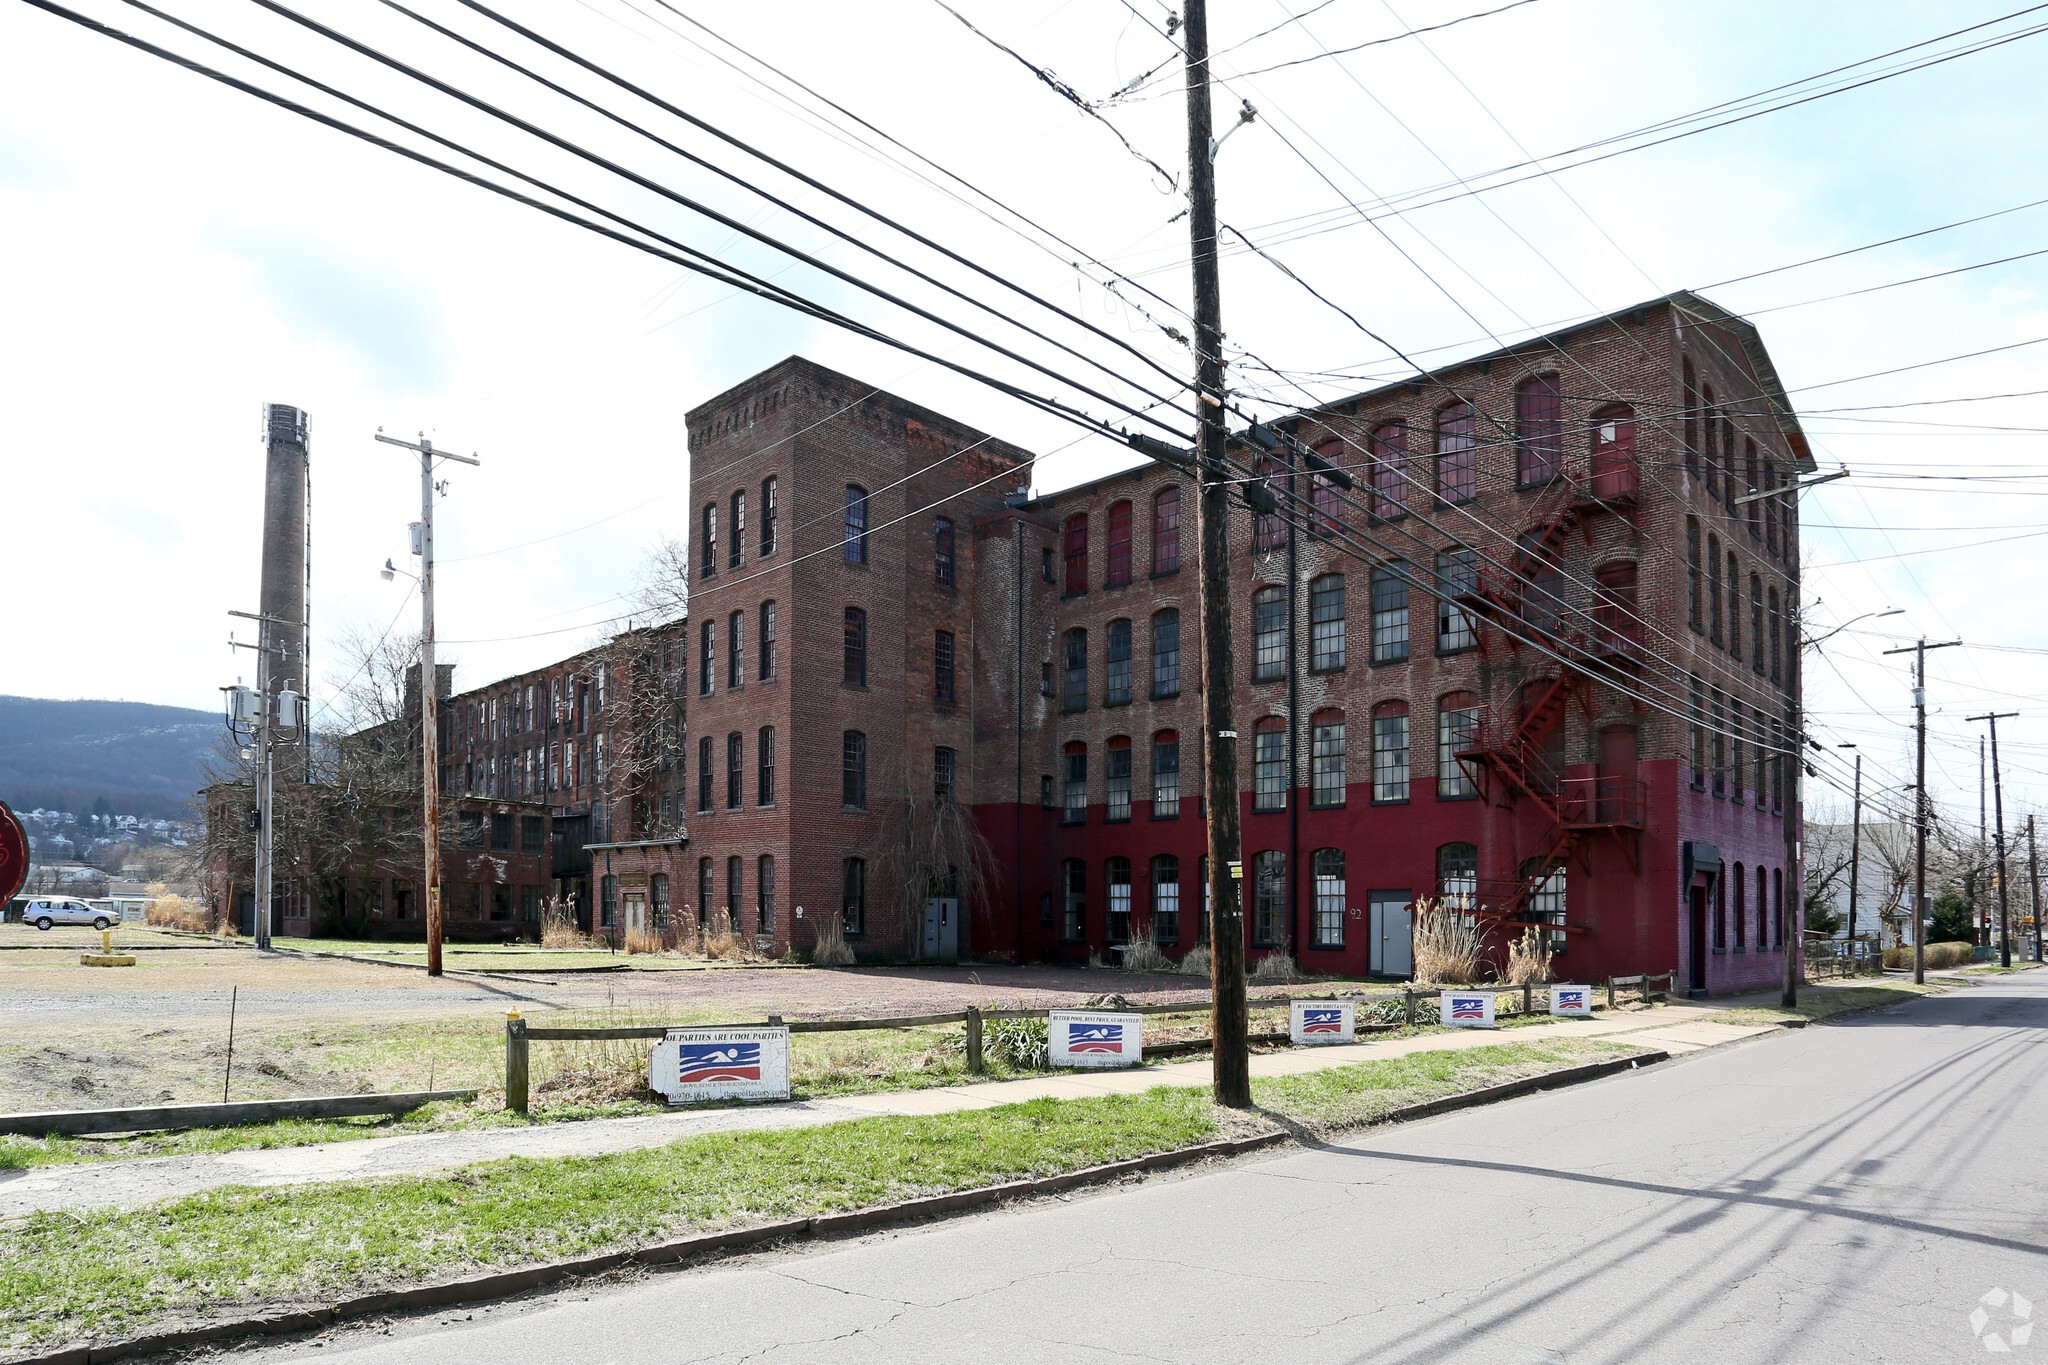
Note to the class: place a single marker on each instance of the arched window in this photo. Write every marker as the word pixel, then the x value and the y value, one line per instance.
pixel 1693 617
pixel 1457 456
pixel 1117 685
pixel 1457 876
pixel 1324 497
pixel 1326 759
pixel 768 516
pixel 1778 905
pixel 1710 427
pixel 707 667
pixel 736 649
pixel 1388 447
pixel 1541 587
pixel 1269 635
pixel 856 524
pixel 738 552
pixel 1166 653
pixel 1457 731
pixel 1269 529
pixel 1074 887
pixel 764 894
pixel 1326 867
pixel 853 770
pixel 942 551
pixel 735 757
pixel 1737 885
pixel 1076 548
pixel 1389 612
pixel 942 667
pixel 1269 899
pixel 854 670
pixel 1166 899
pixel 1777 638
pixel 1690 389
pixel 1756 624
pixel 944 768
pixel 1075 650
pixel 1457 579
pixel 1763 909
pixel 1547 899
pixel 767 615
pixel 1269 764
pixel 1117 775
pixel 764 765
pixel 1074 783
pixel 1613 463
pixel 709 536
pixel 1714 589
pixel 657 898
pixel 1614 605
pixel 707 890
pixel 1166 530
pixel 1116 873
pixel 1750 476
pixel 1166 775
pixel 1771 506
pixel 1539 431
pixel 704 774
pixel 1326 623
pixel 1119 571
pixel 1390 752
pixel 853 899
pixel 733 879
pixel 1734 606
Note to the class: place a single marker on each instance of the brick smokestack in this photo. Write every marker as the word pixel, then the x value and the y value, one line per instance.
pixel 283 592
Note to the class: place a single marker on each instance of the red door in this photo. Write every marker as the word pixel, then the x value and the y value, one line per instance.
pixel 1614 453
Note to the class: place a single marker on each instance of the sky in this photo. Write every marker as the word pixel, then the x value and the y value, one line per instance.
pixel 176 253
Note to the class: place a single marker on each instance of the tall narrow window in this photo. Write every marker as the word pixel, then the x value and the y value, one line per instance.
pixel 707 668
pixel 710 539
pixel 1326 622
pixel 1074 911
pixel 736 649
pixel 1324 498
pixel 733 889
pixel 1737 884
pixel 1699 734
pixel 853 899
pixel 1542 587
pixel 1388 447
pixel 1457 732
pixel 764 894
pixel 1539 431
pixel 1269 765
pixel 853 770
pixel 1117 689
pixel 1720 741
pixel 1166 531
pixel 854 670
pixel 1714 589
pixel 942 667
pixel 1166 898
pixel 944 763
pixel 1689 390
pixel 1269 898
pixel 1117 774
pixel 1771 506
pixel 1615 612
pixel 942 552
pixel 1326 759
pixel 1389 613
pixel 1269 529
pixel 1756 624
pixel 735 766
pixel 764 766
pixel 1166 653
pixel 1390 752
pixel 1119 545
pixel 1269 635
pixel 1457 577
pixel 1457 456
pixel 1749 479
pixel 767 641
pixel 738 533
pixel 1457 876
pixel 1777 638
pixel 768 516
pixel 856 524
pixel 1692 574
pixel 1075 547
pixel 705 776
pixel 1074 783
pixel 1075 649
pixel 1116 875
pixel 1710 455
pixel 707 890
pixel 1166 775
pixel 1734 607
pixel 1735 750
pixel 1327 867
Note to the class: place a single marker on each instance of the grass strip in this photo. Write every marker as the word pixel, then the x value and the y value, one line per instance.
pixel 65 1276
pixel 1821 1004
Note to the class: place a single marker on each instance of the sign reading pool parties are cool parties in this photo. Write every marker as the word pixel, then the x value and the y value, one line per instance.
pixel 1095 1038
pixel 691 1065
pixel 1322 1021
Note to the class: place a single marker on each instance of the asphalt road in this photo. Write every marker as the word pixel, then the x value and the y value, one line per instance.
pixel 1847 1193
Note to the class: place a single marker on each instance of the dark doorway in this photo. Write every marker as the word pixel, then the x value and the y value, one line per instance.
pixel 1698 938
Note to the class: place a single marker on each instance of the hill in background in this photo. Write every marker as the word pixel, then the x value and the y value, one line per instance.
pixel 65 755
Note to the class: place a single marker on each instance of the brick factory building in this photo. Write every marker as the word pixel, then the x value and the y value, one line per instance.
pixel 1537 661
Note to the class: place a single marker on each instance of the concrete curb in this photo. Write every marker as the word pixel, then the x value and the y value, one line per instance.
pixel 505 1283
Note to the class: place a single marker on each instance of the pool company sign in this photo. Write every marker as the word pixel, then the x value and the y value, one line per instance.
pixel 692 1065
pixel 1467 1009
pixel 1095 1038
pixel 1311 1022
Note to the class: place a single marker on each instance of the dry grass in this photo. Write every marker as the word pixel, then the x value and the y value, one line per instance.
pixel 1446 945
pixel 643 941
pixel 171 911
pixel 1528 959
pixel 1196 962
pixel 830 950
pixel 1938 955
pixel 1275 967
pixel 558 927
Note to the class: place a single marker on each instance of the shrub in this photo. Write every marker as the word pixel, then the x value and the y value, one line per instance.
pixel 830 950
pixel 1938 955
pixel 1196 962
pixel 1446 945
pixel 1275 967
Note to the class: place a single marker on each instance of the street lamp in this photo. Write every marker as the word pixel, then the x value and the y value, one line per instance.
pixel 1866 616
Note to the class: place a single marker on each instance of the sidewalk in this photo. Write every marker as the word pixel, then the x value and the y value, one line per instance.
pixel 1677 1028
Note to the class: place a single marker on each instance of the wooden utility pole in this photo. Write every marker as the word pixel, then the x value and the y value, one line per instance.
pixel 1229 1017
pixel 2034 884
pixel 1918 650
pixel 1855 846
pixel 1998 829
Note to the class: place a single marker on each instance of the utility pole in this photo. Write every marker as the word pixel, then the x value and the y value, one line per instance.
pixel 430 698
pixel 1229 1015
pixel 1919 652
pixel 1855 843
pixel 265 716
pixel 2034 884
pixel 1998 806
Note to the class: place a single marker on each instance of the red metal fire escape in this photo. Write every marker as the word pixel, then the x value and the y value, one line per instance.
pixel 1522 751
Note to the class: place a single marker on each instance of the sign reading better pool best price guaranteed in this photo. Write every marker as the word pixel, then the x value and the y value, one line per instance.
pixel 1572 1002
pixel 1095 1038
pixel 691 1065
pixel 1468 1009
pixel 1322 1021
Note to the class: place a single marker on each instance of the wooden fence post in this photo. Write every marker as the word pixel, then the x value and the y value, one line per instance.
pixel 1528 997
pixel 1408 1003
pixel 515 1062
pixel 1610 992
pixel 974 1060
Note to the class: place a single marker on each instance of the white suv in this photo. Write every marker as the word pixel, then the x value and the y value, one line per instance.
pixel 46 911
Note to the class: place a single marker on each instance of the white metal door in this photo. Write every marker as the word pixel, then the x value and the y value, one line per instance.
pixel 1393 945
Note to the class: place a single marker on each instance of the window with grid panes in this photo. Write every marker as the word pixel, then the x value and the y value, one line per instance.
pixel 735 765
pixel 1389 613
pixel 1166 898
pixel 736 649
pixel 856 524
pixel 1117 876
pixel 1269 635
pixel 1457 575
pixel 1117 773
pixel 707 667
pixel 1734 606
pixel 764 894
pixel 1074 783
pixel 1117 685
pixel 1390 752
pixel 853 900
pixel 942 774
pixel 1326 760
pixel 1269 766
pixel 1075 651
pixel 1457 730
pixel 1074 916
pixel 738 531
pixel 767 641
pixel 1388 447
pixel 1457 876
pixel 1539 431
pixel 705 776
pixel 1326 866
pixel 942 666
pixel 1166 531
pixel 710 538
pixel 764 766
pixel 1165 653
pixel 942 552
pixel 1165 775
pixel 1074 546
pixel 854 672
pixel 1719 742
pixel 1269 898
pixel 1326 623
pixel 853 770
pixel 1756 624
pixel 1119 568
pixel 768 516
pixel 1457 455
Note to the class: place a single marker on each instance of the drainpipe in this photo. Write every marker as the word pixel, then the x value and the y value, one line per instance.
pixel 1293 736
pixel 1017 686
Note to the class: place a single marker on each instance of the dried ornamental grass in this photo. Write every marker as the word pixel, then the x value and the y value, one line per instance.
pixel 1529 959
pixel 1196 962
pixel 1446 945
pixel 558 927
pixel 830 950
pixel 643 941
pixel 172 911
pixel 1275 967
